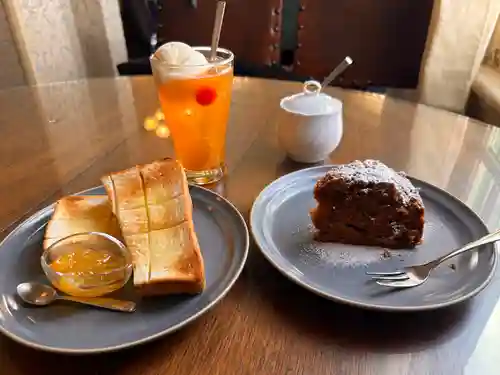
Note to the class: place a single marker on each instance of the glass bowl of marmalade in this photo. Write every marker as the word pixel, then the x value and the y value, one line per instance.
pixel 88 264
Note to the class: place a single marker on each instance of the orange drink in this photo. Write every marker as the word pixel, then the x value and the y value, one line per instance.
pixel 195 96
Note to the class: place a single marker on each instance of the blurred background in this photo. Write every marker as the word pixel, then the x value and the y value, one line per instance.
pixel 438 52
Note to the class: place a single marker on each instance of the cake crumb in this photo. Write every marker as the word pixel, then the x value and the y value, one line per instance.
pixel 453 266
pixel 386 254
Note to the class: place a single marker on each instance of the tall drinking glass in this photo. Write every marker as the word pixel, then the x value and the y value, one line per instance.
pixel 195 100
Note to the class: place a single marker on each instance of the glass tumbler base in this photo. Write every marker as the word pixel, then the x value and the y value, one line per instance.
pixel 205 177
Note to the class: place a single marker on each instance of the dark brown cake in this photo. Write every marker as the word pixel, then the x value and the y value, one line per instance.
pixel 368 203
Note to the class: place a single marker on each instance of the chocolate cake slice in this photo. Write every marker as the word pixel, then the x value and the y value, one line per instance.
pixel 368 203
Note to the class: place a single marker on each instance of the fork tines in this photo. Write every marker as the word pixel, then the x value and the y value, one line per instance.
pixel 389 276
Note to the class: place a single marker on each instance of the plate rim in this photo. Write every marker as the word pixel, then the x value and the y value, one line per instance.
pixel 130 344
pixel 260 243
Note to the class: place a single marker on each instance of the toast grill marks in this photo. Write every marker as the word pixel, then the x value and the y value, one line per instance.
pixel 173 259
pixel 148 226
pixel 166 206
pixel 125 190
pixel 367 203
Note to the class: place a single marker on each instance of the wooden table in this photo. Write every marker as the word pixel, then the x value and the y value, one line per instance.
pixel 60 138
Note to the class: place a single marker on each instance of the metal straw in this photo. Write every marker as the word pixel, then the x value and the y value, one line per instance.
pixel 219 17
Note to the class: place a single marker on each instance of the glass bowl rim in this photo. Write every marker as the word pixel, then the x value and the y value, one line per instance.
pixel 128 257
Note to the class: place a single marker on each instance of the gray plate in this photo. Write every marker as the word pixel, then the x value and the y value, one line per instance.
pixel 68 328
pixel 282 228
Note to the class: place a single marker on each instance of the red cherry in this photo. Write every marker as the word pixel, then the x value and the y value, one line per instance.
pixel 206 95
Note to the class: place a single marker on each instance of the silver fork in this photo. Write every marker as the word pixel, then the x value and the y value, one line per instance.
pixel 412 276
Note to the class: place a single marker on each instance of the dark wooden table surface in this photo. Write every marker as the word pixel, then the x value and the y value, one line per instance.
pixel 60 138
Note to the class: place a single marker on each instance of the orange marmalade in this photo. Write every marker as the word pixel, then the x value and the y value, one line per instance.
pixel 87 271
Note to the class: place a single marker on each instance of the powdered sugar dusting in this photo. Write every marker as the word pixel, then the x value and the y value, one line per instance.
pixel 339 255
pixel 374 172
pixel 336 254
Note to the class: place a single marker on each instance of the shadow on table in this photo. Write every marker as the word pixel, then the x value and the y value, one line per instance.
pixel 355 328
pixel 146 356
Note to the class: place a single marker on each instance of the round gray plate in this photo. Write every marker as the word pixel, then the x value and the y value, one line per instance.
pixel 282 228
pixel 69 328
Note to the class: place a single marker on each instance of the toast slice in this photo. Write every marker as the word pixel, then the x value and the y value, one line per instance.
pixel 81 213
pixel 155 212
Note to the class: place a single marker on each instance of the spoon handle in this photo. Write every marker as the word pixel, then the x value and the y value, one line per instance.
pixel 339 69
pixel 105 303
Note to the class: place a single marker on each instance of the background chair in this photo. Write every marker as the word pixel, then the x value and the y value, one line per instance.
pixel 386 39
pixel 252 30
pixel 429 51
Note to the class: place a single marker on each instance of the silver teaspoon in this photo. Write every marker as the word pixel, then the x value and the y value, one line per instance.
pixel 339 69
pixel 43 295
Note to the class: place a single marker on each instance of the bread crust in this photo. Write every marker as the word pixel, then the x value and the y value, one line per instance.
pixel 152 201
pixel 80 213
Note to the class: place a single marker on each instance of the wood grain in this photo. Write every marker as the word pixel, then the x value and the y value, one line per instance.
pixel 385 38
pixel 59 139
pixel 254 39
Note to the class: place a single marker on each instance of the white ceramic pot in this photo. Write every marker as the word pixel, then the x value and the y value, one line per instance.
pixel 310 124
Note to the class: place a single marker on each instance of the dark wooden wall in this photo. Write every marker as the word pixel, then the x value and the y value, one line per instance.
pixel 386 38
pixel 251 30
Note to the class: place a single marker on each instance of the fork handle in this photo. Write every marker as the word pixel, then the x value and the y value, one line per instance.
pixel 489 238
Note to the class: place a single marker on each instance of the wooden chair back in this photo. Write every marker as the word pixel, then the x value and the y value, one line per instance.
pixel 385 38
pixel 251 30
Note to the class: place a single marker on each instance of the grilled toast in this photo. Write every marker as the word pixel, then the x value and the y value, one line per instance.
pixel 154 209
pixel 82 213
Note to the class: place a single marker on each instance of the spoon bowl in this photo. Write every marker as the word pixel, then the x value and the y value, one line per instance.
pixel 36 294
